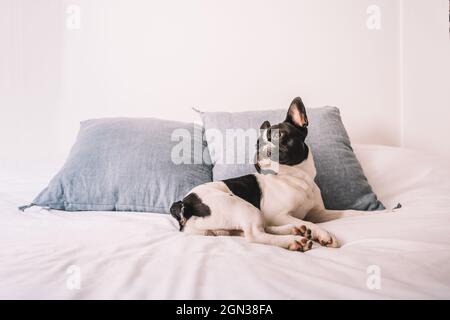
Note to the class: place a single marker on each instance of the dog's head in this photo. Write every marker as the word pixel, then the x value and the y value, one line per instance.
pixel 284 143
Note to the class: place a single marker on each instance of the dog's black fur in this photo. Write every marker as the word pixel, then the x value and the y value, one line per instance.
pixel 247 188
pixel 191 205
pixel 290 137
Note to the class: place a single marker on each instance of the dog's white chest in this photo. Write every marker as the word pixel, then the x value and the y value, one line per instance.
pixel 286 194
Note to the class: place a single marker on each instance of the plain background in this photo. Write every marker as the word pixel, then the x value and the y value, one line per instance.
pixel 160 58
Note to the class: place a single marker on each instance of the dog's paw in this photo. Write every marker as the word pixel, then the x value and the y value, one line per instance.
pixel 327 239
pixel 302 231
pixel 300 244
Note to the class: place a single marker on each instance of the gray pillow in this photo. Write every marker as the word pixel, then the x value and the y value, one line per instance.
pixel 339 173
pixel 125 164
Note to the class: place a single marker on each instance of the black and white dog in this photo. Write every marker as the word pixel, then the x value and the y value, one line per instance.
pixel 277 209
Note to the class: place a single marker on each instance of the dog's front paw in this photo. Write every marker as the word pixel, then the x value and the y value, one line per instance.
pixel 300 244
pixel 302 231
pixel 327 239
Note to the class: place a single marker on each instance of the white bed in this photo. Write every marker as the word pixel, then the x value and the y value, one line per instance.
pixel 143 256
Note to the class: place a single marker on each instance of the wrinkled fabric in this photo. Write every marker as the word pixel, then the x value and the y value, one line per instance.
pixel 144 256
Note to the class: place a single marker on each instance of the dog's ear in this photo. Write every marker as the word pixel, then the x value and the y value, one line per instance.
pixel 175 209
pixel 265 125
pixel 296 114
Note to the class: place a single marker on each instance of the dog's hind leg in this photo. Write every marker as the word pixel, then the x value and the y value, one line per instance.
pixel 281 230
pixel 256 233
pixel 318 234
pixel 221 232
pixel 241 215
pixel 250 220
pixel 289 229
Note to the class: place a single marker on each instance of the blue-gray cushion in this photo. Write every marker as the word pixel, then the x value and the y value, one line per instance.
pixel 339 173
pixel 125 164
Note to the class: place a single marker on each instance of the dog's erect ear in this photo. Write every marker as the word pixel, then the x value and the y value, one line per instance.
pixel 296 114
pixel 265 125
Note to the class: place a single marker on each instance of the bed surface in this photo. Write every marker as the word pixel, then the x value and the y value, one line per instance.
pixel 143 256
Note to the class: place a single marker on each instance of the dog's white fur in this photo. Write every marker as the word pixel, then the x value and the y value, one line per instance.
pixel 295 203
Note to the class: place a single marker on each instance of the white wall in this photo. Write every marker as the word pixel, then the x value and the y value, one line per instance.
pixel 426 75
pixel 160 58
pixel 30 77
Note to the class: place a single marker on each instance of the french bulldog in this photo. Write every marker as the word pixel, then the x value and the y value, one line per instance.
pixel 275 207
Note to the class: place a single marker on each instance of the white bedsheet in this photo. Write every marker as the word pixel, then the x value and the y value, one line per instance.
pixel 143 256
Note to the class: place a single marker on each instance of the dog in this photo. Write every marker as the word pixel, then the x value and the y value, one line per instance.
pixel 275 208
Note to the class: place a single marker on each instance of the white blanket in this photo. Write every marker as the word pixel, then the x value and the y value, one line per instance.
pixel 143 256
